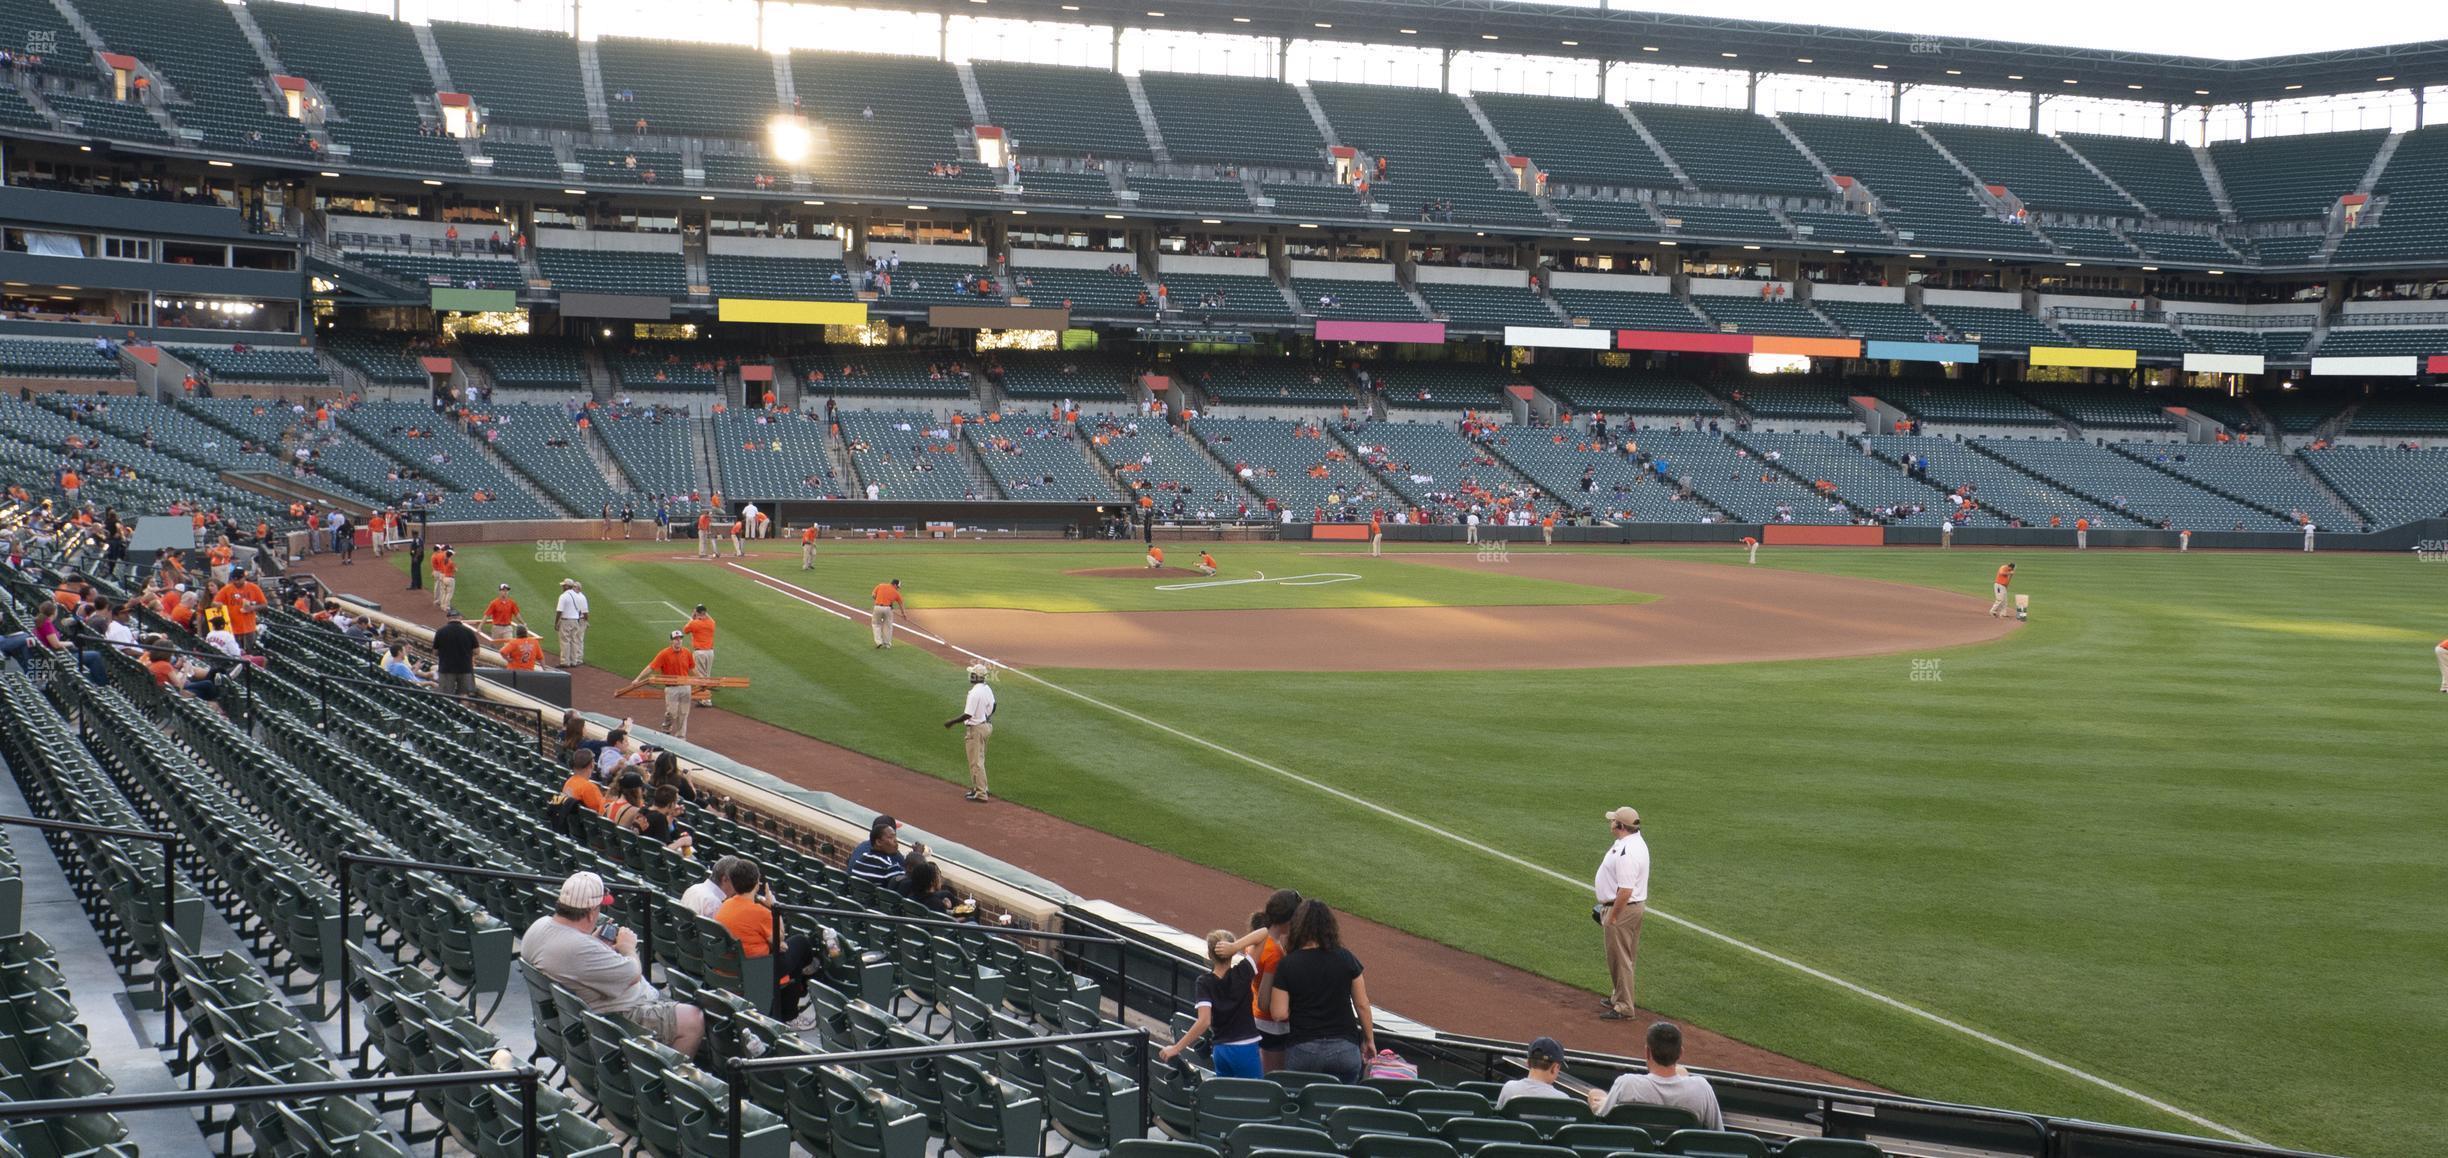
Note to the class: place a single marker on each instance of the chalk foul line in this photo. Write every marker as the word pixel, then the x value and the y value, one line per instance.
pixel 1319 579
pixel 827 603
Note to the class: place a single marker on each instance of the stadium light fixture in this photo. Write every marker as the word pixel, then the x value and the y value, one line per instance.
pixel 1308 224
pixel 1402 229
pixel 1880 67
pixel 820 203
pixel 1750 247
pixel 219 164
pixel 2293 87
pixel 2014 76
pixel 1668 244
pixel 788 139
pixel 1070 7
pixel 1019 212
pixel 1487 36
pixel 1156 14
pixel 432 182
pixel 705 197
pixel 2073 265
pixel 2071 80
pixel 2135 87
pixel 1804 60
pixel 2382 79
pixel 1211 221
pixel 1580 239
pixel 1323 24
pixel 2201 92
pixel 1408 31
pixel 84 148
pixel 1648 48
pixel 575 192
pixel 1727 55
pixel 1954 72
pixel 1836 251
pixel 327 173
pixel 2218 272
pixel 920 208
pixel 1113 217
pixel 1571 43
pixel 1918 256
pixel 1241 19
pixel 2150 269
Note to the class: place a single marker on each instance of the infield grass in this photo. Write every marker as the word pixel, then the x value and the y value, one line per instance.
pixel 2183 831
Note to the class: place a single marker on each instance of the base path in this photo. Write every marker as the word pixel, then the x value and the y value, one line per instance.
pixel 1704 613
pixel 1432 983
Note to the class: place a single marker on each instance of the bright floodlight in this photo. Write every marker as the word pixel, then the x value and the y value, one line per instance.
pixel 789 140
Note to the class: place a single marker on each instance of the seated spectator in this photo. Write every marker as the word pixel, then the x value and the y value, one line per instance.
pixel 923 881
pixel 881 864
pixel 1545 1060
pixel 1666 1084
pixel 581 785
pixel 179 675
pixel 396 665
pixel 663 823
pixel 667 774
pixel 750 919
pixel 626 803
pixel 704 897
pixel 580 948
pixel 1223 995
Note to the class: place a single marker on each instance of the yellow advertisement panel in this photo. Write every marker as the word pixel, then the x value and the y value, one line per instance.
pixel 791 313
pixel 2082 356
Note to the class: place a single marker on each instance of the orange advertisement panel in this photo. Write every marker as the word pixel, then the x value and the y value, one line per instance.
pixel 1798 535
pixel 1340 532
pixel 1807 347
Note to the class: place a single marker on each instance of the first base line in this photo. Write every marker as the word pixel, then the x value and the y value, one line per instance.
pixel 829 604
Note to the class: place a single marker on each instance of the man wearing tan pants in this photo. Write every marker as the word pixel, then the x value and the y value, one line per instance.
pixel 977 720
pixel 1623 896
pixel 887 604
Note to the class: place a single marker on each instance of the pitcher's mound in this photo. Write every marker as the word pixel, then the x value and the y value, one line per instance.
pixel 1135 573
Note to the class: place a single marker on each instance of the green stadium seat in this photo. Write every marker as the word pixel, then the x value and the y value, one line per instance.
pixel 1347 1124
pixel 1595 1139
pixel 1715 1144
pixel 1548 1114
pixel 1828 1148
pixel 1470 1134
pixel 1659 1121
pixel 1439 1106
pixel 1399 1146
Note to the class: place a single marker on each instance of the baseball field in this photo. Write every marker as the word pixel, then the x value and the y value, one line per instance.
pixel 2170 854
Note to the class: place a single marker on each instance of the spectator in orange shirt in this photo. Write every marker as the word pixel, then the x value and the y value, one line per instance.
pixel 747 914
pixel 581 785
pixel 241 598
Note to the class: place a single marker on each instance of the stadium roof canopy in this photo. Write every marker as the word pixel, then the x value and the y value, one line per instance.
pixel 1519 26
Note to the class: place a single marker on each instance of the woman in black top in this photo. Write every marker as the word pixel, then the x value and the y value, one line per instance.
pixel 1318 991
pixel 922 881
pixel 1224 1008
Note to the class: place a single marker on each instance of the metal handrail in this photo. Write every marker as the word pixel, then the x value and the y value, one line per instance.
pixel 169 884
pixel 741 1067
pixel 529 1083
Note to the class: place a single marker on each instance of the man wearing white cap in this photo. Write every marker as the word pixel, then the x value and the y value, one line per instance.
pixel 584 951
pixel 1623 894
pixel 570 618
pixel 977 716
pixel 674 662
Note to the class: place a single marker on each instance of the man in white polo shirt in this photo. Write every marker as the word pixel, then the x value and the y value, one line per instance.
pixel 1623 894
pixel 570 619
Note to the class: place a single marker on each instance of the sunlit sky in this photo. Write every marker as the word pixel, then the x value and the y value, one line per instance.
pixel 2186 27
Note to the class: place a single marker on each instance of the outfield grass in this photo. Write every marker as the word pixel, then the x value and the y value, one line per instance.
pixel 2182 831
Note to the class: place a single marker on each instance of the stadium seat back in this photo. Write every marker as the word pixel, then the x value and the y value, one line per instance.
pixel 1469 1134
pixel 1715 1144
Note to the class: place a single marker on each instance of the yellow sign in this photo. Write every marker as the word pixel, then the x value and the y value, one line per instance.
pixel 2082 356
pixel 792 313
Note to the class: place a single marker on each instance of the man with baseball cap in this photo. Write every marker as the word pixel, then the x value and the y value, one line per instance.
pixel 581 949
pixel 1545 1061
pixel 570 619
pixel 674 662
pixel 978 716
pixel 1623 893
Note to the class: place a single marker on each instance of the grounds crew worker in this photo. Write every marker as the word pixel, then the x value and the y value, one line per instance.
pixel 887 602
pixel 446 576
pixel 978 717
pixel 2005 579
pixel 700 629
pixel 807 547
pixel 570 618
pixel 674 660
pixel 502 613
